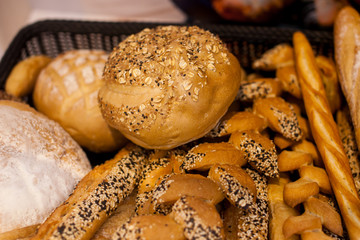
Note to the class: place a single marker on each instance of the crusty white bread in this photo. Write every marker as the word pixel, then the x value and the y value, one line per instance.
pixel 40 165
pixel 326 134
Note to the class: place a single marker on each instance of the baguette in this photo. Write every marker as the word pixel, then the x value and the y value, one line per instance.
pixel 326 134
pixel 346 45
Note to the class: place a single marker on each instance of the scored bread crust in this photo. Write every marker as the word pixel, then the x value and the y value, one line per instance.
pixel 346 45
pixel 66 91
pixel 326 134
pixel 169 85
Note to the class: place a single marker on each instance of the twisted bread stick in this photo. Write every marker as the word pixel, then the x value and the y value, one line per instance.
pixel 326 134
pixel 96 196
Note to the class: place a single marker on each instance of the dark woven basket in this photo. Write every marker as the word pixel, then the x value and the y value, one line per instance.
pixel 54 37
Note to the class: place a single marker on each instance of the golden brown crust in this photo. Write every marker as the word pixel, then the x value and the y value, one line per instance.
pixel 199 218
pixel 259 88
pixel 19 233
pixel 278 56
pixel 315 235
pixel 330 218
pixel 288 78
pixel 293 160
pixel 150 227
pixel 96 196
pixel 66 91
pixel 239 121
pixel 260 151
pixel 279 210
pixel 346 45
pixel 347 135
pixel 331 83
pixel 317 175
pixel 122 214
pixel 238 187
pixel 23 76
pixel 280 115
pixel 254 222
pixel 299 224
pixel 153 172
pixel 193 78
pixel 282 142
pixel 300 190
pixel 326 134
pixel 175 186
pixel 205 155
pixel 309 147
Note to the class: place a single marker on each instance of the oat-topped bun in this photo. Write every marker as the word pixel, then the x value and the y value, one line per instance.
pixel 168 85
pixel 40 164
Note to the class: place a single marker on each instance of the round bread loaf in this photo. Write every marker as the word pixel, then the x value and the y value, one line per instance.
pixel 66 91
pixel 168 85
pixel 40 164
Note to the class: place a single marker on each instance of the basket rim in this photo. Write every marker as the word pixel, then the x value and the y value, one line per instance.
pixel 225 31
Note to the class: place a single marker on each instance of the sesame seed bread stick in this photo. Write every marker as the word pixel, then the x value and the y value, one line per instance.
pixel 326 134
pixel 96 196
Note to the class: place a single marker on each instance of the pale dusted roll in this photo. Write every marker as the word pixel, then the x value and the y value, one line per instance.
pixel 169 85
pixel 40 164
pixel 66 91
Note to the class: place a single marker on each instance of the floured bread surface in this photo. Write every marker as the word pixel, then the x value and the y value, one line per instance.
pixel 168 85
pixel 40 164
pixel 66 91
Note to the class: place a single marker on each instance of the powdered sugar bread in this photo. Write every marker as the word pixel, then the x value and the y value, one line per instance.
pixel 40 164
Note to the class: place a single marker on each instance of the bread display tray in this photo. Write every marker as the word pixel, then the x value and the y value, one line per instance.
pixel 52 37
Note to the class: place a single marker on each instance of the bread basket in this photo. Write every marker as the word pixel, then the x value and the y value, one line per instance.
pixel 52 37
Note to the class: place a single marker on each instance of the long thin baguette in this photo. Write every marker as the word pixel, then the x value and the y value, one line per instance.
pixel 326 134
pixel 96 196
pixel 346 48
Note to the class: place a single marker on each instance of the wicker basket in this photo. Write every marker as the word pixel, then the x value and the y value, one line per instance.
pixel 54 37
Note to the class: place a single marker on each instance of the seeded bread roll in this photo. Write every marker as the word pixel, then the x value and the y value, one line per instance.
pixel 169 85
pixel 66 91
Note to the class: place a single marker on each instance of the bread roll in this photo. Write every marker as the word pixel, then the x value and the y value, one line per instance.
pixel 40 164
pixel 22 78
pixel 325 131
pixel 66 91
pixel 169 85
